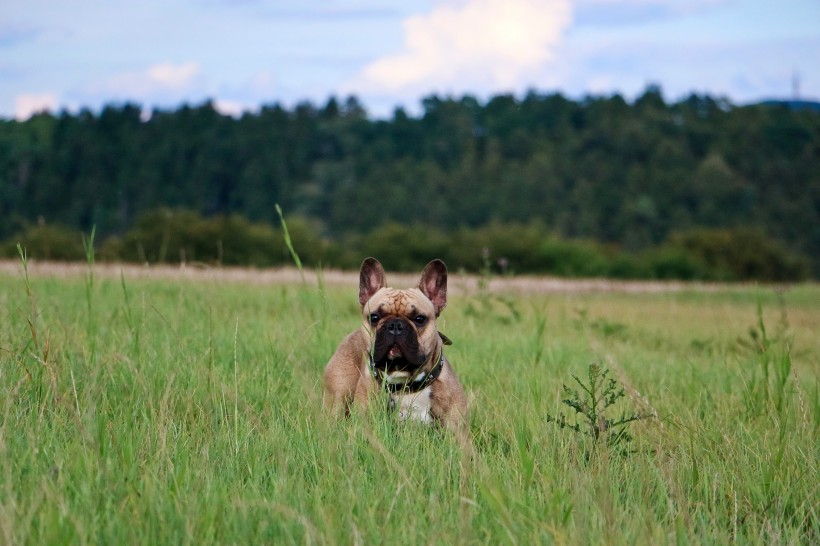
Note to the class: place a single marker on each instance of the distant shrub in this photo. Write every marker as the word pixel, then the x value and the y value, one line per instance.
pixel 240 242
pixel 528 248
pixel 503 248
pixel 673 263
pixel 499 247
pixel 573 258
pixel 625 265
pixel 400 247
pixel 46 242
pixel 740 254
pixel 175 236
pixel 178 236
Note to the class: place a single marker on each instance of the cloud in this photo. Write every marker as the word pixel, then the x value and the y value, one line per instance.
pixel 172 76
pixel 160 81
pixel 472 44
pixel 232 108
pixel 29 104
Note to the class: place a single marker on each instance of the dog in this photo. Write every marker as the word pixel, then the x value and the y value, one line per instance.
pixel 399 352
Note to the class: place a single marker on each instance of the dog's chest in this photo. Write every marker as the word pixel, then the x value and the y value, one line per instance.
pixel 413 406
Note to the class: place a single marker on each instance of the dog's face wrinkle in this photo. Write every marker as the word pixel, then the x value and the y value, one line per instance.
pixel 384 314
pixel 399 303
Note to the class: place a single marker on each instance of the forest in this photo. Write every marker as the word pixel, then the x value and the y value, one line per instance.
pixel 540 183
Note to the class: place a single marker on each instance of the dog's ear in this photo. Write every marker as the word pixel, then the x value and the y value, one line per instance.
pixel 433 284
pixel 371 279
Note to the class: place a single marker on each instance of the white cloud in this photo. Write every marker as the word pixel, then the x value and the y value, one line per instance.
pixel 172 76
pixel 160 80
pixel 232 108
pixel 472 44
pixel 27 105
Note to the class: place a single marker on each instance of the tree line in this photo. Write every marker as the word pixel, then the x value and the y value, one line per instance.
pixel 625 178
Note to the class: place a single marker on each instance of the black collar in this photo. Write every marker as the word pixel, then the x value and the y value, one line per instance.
pixel 416 384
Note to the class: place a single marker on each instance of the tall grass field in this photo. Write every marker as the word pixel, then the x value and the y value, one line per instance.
pixel 184 410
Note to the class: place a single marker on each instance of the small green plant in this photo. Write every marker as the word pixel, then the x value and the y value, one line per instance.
pixel 88 247
pixel 488 303
pixel 31 318
pixel 772 352
pixel 591 404
pixel 40 372
pixel 606 328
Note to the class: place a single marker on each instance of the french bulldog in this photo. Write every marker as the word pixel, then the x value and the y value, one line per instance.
pixel 398 353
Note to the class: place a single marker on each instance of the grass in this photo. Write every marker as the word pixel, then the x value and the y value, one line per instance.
pixel 169 411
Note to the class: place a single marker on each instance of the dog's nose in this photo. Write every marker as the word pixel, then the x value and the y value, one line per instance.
pixel 395 327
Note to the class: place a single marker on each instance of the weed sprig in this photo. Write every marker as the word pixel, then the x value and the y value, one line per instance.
pixel 591 403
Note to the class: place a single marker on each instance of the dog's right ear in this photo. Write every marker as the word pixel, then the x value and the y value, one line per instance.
pixel 371 279
pixel 433 284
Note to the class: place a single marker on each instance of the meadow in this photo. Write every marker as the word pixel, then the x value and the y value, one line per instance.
pixel 177 410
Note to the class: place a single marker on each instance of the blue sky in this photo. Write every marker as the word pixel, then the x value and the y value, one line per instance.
pixel 58 54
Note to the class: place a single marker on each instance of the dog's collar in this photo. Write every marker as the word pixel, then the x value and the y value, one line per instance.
pixel 444 339
pixel 416 384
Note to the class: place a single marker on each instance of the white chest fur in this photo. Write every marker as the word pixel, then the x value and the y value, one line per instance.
pixel 414 406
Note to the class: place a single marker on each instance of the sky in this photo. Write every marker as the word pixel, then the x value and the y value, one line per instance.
pixel 241 54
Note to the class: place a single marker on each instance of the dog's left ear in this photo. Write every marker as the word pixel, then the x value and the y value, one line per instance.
pixel 433 284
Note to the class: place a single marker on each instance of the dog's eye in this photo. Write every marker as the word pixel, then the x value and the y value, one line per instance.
pixel 420 319
pixel 374 318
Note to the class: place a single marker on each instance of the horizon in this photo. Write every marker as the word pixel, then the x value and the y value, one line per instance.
pixel 413 111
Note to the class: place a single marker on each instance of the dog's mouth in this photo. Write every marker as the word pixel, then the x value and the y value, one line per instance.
pixel 394 353
pixel 392 359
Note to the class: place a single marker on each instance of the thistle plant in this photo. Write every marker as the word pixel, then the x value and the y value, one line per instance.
pixel 591 404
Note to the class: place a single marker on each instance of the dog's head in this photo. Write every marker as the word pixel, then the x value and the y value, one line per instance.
pixel 402 323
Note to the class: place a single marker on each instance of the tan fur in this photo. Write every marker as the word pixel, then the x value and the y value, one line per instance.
pixel 347 377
